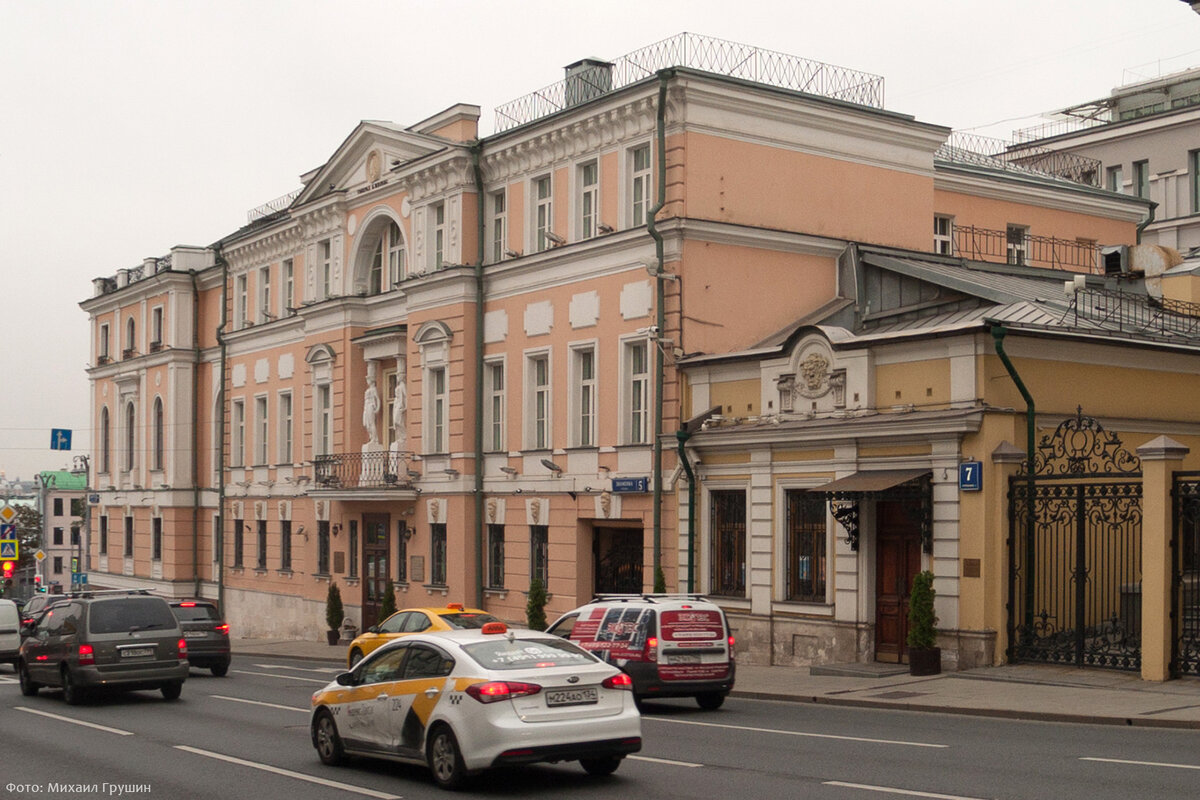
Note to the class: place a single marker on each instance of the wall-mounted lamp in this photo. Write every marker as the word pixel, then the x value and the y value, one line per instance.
pixel 337 528
pixel 654 272
pixel 550 465
pixel 509 470
pixel 412 473
pixel 300 532
pixel 554 238
pixel 451 471
pixel 512 253
pixel 408 533
pixel 605 228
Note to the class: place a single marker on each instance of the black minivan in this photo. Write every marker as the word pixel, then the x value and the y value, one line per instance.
pixel 206 633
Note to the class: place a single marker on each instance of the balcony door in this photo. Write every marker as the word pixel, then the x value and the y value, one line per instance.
pixel 376 559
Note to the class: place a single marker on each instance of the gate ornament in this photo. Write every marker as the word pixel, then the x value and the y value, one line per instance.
pixel 1081 446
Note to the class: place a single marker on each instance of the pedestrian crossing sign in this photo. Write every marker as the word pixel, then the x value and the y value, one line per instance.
pixel 8 548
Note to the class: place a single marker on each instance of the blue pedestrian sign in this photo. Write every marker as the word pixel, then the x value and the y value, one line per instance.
pixel 970 476
pixel 60 439
pixel 8 548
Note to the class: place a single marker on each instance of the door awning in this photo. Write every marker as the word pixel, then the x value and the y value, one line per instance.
pixel 871 481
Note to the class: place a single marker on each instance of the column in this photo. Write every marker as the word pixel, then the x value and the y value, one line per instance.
pixel 1161 457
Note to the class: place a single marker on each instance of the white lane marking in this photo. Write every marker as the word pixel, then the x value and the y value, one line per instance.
pixel 346 787
pixel 1143 763
pixel 892 790
pixel 281 677
pixel 9 680
pixel 324 670
pixel 664 761
pixel 796 733
pixel 104 728
pixel 259 703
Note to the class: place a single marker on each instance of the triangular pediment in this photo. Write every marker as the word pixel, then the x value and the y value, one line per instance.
pixel 367 158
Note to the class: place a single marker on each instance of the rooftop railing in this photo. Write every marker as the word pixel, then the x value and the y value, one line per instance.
pixel 1134 313
pixel 697 52
pixel 985 151
pixel 272 207
pixel 981 244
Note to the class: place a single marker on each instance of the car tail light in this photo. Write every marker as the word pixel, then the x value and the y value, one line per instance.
pixel 494 691
pixel 222 629
pixel 731 651
pixel 652 648
pixel 87 656
pixel 187 605
pixel 621 681
pixel 182 649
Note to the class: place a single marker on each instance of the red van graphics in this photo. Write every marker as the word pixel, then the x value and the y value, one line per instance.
pixel 693 646
pixel 614 633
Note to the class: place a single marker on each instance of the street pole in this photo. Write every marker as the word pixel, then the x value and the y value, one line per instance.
pixel 82 466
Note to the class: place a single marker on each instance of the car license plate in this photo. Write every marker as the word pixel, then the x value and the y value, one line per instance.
pixel 135 652
pixel 684 659
pixel 572 697
pixel 195 634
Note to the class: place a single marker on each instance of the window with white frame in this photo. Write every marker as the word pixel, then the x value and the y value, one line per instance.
pixel 396 254
pixel 265 312
pixel 437 238
pixel 943 235
pixel 156 539
pixel 1017 237
pixel 494 410
pixel 636 380
pixel 105 440
pixel 389 256
pixel 1194 177
pixel 436 423
pixel 499 226
pixel 639 185
pixel 241 312
pixel 130 338
pixel 102 346
pixel 538 407
pixel 130 435
pixel 237 433
pixel 806 542
pixel 1141 179
pixel 261 423
pixel 323 411
pixel 285 428
pixel 159 431
pixel 495 560
pixel 325 265
pixel 289 285
pixel 1116 180
pixel 589 198
pixel 727 544
pixel 543 213
pixel 583 396
pixel 156 328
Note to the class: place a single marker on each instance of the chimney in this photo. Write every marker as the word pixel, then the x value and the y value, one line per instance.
pixel 587 79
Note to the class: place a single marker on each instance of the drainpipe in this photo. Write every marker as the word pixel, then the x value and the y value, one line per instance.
pixel 998 333
pixel 195 434
pixel 476 159
pixel 660 317
pixel 1146 224
pixel 219 540
pixel 681 436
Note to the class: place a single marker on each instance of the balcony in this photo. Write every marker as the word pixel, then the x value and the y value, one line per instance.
pixel 980 244
pixel 352 471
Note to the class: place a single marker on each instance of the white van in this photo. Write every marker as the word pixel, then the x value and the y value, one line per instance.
pixel 10 633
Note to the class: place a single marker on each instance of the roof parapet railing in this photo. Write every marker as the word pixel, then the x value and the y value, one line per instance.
pixel 272 207
pixel 986 151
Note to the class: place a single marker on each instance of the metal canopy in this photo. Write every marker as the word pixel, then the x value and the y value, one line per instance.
pixel 870 481
pixel 845 493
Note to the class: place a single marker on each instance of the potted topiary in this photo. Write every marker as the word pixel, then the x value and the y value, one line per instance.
pixel 535 606
pixel 334 613
pixel 924 656
pixel 388 606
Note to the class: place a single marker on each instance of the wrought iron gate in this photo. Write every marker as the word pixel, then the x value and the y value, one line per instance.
pixel 1185 571
pixel 1075 544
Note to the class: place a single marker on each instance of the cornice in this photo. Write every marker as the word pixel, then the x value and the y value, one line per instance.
pixel 452 171
pixel 1013 189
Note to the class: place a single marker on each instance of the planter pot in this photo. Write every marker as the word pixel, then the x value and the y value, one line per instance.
pixel 333 636
pixel 925 661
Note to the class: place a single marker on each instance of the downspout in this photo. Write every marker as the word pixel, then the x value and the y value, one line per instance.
pixel 195 434
pixel 219 539
pixel 1149 219
pixel 998 333
pixel 681 436
pixel 660 320
pixel 476 158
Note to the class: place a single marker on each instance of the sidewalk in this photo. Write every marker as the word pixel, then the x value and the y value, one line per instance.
pixel 1048 693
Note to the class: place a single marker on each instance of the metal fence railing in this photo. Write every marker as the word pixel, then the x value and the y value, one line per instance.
pixel 985 151
pixel 982 244
pixel 382 470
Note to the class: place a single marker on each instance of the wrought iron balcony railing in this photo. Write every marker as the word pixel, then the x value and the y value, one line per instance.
pixel 1135 313
pixel 984 151
pixel 382 470
pixel 980 244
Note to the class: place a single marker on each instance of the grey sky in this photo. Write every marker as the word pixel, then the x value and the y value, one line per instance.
pixel 129 127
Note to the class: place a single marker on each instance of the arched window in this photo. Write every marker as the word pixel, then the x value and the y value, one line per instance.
pixel 130 436
pixel 158 433
pixel 382 257
pixel 130 338
pixel 105 440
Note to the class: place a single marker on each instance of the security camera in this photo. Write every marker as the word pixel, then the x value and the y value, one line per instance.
pixel 651 331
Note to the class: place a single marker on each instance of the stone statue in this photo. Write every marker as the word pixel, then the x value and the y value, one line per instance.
pixel 371 406
pixel 400 406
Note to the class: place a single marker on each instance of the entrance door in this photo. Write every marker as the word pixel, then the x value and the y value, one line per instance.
pixel 618 555
pixel 376 558
pixel 897 560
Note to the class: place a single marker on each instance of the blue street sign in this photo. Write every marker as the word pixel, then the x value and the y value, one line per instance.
pixel 79 578
pixel 60 439
pixel 970 476
pixel 629 485
pixel 8 548
pixel 8 530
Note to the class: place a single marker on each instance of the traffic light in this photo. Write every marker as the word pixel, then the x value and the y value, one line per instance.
pixel 8 569
pixel 37 583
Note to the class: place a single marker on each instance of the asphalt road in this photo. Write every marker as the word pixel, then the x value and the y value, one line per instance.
pixel 246 736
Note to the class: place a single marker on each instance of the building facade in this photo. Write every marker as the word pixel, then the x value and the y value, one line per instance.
pixel 61 499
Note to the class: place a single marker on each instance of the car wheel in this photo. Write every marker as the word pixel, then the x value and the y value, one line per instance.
pixel 355 657
pixel 220 670
pixel 326 740
pixel 172 690
pixel 445 759
pixel 71 691
pixel 28 687
pixel 710 701
pixel 600 766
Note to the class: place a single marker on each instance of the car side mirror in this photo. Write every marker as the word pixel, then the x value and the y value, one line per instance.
pixel 345 679
pixel 373 629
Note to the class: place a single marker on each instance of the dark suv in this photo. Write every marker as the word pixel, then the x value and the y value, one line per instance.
pixel 206 633
pixel 93 640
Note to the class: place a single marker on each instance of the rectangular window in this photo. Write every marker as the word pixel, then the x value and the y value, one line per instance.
pixel 58 536
pixel 218 541
pixel 58 506
pixel 806 538
pixel 537 413
pixel 353 549
pixel 128 537
pixel 237 434
pixel 241 315
pixel 156 328
pixel 265 312
pixel 402 535
pixel 639 187
pixel 499 225
pixel 289 286
pixel 396 254
pixel 539 553
pixel 156 538
pixel 325 264
pixel 943 235
pixel 437 554
pixel 637 392
pixel 102 344
pixel 728 543
pixel 494 424
pixel 285 545
pixel 285 428
pixel 543 216
pixel 583 397
pixel 323 547
pixel 1141 178
pixel 74 536
pixel 261 560
pixel 495 556
pixel 104 536
pixel 1017 239
pixel 437 410
pixel 323 443
pixel 589 199
pixel 439 235
pixel 1194 177
pixel 1116 179
pixel 58 565
pixel 261 424
pixel 239 540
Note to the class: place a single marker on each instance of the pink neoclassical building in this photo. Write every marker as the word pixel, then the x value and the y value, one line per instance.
pixel 450 360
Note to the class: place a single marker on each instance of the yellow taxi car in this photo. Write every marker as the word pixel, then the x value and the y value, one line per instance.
pixel 406 621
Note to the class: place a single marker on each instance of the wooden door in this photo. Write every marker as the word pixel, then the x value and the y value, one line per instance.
pixel 376 559
pixel 897 560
